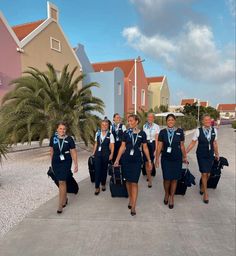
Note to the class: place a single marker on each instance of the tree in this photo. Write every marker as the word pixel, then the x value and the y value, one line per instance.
pixel 163 108
pixel 41 99
pixel 192 110
pixel 3 147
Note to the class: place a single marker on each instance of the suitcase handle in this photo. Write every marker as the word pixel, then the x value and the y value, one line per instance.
pixel 114 177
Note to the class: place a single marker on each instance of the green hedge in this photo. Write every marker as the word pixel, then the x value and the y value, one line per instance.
pixel 186 122
pixel 234 124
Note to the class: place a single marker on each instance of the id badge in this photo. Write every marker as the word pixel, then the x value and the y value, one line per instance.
pixel 62 157
pixel 169 150
pixel 150 141
pixel 131 152
pixel 117 138
pixel 100 148
pixel 209 147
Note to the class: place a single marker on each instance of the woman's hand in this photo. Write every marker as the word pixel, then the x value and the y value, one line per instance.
pixel 76 168
pixel 116 163
pixel 185 160
pixel 110 157
pixel 217 157
pixel 157 163
pixel 150 165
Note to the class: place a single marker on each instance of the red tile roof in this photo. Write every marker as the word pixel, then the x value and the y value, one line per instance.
pixel 125 65
pixel 187 101
pixel 203 103
pixel 155 79
pixel 23 30
pixel 226 107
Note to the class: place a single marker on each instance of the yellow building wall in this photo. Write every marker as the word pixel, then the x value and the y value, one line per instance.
pixel 38 52
pixel 160 94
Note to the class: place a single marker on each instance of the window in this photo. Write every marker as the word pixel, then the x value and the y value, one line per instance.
pixel 143 97
pixel 55 44
pixel 133 95
pixel 119 89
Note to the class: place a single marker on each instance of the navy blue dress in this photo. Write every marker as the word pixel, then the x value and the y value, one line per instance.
pixel 205 154
pixel 131 164
pixel 62 168
pixel 171 163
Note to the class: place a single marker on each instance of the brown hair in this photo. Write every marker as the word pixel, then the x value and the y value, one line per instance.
pixel 135 117
pixel 62 123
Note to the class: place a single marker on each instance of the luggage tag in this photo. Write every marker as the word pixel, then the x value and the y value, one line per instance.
pixel 99 148
pixel 131 152
pixel 62 157
pixel 169 150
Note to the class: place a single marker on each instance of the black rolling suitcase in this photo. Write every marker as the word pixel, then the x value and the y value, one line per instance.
pixel 117 183
pixel 215 173
pixel 187 180
pixel 71 184
pixel 91 168
pixel 181 186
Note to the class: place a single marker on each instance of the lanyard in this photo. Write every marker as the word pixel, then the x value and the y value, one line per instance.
pixel 170 133
pixel 116 128
pixel 62 144
pixel 134 141
pixel 207 133
pixel 101 140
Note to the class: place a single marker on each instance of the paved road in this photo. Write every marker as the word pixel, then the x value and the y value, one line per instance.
pixel 102 225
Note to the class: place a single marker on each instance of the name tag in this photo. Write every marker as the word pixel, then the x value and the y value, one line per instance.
pixel 66 141
pixel 169 149
pixel 177 133
pixel 108 137
pixel 139 136
pixel 62 157
pixel 131 152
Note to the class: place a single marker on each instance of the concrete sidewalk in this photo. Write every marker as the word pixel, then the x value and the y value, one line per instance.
pixel 103 226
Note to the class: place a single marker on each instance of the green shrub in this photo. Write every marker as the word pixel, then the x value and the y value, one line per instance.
pixel 234 124
pixel 186 122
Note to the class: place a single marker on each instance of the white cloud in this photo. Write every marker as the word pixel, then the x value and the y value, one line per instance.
pixel 232 7
pixel 191 52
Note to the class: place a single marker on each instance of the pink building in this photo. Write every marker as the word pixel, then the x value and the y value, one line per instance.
pixel 10 63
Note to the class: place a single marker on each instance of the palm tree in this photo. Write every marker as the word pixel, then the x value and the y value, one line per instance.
pixel 41 99
pixel 3 147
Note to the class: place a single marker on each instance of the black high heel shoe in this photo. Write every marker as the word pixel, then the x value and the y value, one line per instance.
pixel 104 189
pixel 65 203
pixel 165 202
pixel 59 211
pixel 201 193
pixel 129 206
pixel 171 206
pixel 133 212
pixel 96 193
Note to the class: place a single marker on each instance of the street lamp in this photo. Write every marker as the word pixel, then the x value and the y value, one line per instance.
pixel 198 112
pixel 135 83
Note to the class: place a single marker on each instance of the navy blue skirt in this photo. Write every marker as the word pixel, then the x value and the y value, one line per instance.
pixel 171 169
pixel 62 169
pixel 205 164
pixel 131 168
pixel 151 149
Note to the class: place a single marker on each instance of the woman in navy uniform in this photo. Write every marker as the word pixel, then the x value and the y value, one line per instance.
pixel 117 130
pixel 131 161
pixel 103 152
pixel 62 151
pixel 207 148
pixel 172 150
pixel 152 130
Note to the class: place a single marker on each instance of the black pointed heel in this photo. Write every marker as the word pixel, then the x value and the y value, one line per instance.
pixel 129 206
pixel 133 213
pixel 171 206
pixel 59 211
pixel 65 203
pixel 165 202
pixel 206 201
pixel 201 193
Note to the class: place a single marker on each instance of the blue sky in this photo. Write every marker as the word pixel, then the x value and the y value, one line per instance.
pixel 190 41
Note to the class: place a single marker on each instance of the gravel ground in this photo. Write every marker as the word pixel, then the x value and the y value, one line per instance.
pixel 24 185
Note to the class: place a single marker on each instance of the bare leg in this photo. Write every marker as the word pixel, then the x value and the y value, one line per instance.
pixel 149 176
pixel 173 186
pixel 204 185
pixel 134 195
pixel 166 184
pixel 62 194
pixel 128 186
